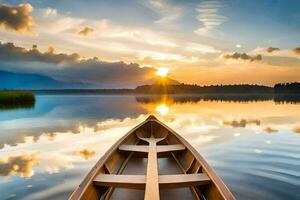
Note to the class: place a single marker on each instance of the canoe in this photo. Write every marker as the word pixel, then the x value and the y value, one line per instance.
pixel 152 162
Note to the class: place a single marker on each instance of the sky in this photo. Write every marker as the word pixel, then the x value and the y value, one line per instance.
pixel 124 42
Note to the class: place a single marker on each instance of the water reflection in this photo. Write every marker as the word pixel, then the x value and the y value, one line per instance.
pixel 162 109
pixel 20 165
pixel 59 141
pixel 87 154
pixel 190 98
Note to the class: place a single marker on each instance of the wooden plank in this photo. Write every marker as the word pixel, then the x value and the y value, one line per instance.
pixel 139 181
pixel 183 180
pixel 152 188
pixel 134 148
pixel 170 148
pixel 121 181
pixel 145 148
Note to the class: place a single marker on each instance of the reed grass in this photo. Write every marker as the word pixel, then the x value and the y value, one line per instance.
pixel 10 99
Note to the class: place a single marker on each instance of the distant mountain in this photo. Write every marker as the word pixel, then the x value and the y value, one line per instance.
pixel 161 81
pixel 11 80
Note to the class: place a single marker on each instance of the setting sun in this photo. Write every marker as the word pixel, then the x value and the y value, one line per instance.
pixel 163 72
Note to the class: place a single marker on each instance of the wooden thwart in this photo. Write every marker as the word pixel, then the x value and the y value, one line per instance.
pixel 121 181
pixel 145 148
pixel 139 181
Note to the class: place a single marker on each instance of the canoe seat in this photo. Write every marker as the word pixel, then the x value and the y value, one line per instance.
pixel 183 180
pixel 170 148
pixel 122 181
pixel 134 148
pixel 139 181
pixel 145 148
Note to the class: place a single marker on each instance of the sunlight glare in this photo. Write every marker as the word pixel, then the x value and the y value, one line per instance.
pixel 162 109
pixel 163 72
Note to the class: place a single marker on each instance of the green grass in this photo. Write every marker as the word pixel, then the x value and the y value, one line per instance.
pixel 10 99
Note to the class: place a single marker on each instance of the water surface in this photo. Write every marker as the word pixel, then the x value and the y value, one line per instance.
pixel 46 151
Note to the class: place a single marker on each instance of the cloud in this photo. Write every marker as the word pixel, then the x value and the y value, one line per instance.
pixel 270 130
pixel 21 165
pixel 85 31
pixel 242 123
pixel 271 49
pixel 17 18
pixel 87 154
pixel 169 12
pixel 70 67
pixel 243 56
pixel 202 48
pixel 296 129
pixel 208 15
pixel 297 50
pixel 50 12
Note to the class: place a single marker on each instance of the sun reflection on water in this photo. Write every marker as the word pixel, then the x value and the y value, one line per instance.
pixel 162 109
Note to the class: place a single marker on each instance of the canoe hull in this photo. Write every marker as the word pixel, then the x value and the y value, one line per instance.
pixel 152 162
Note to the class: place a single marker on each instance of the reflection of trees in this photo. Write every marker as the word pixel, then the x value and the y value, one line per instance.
pixel 222 98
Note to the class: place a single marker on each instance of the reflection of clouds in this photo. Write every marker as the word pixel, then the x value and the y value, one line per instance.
pixel 52 163
pixel 296 129
pixel 87 154
pixel 117 123
pixel 269 129
pixel 258 151
pixel 241 123
pixel 56 150
pixel 21 165
pixel 51 136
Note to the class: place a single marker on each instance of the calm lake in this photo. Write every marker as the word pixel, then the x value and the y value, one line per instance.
pixel 46 151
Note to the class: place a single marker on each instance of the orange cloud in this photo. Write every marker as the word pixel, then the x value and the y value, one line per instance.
pixel 243 56
pixel 17 18
pixel 85 31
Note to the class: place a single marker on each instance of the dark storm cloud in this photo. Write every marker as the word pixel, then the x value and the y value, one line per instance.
pixel 243 56
pixel 297 50
pixel 16 18
pixel 85 31
pixel 10 52
pixel 69 67
pixel 271 49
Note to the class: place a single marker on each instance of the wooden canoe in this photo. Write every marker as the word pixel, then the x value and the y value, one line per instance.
pixel 152 162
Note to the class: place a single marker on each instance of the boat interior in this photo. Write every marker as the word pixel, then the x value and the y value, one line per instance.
pixel 151 162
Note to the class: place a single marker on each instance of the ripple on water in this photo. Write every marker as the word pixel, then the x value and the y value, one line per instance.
pixel 256 170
